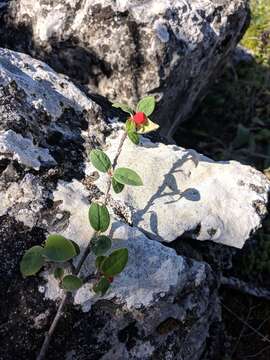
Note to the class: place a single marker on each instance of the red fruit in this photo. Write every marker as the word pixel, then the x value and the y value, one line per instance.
pixel 110 278
pixel 139 118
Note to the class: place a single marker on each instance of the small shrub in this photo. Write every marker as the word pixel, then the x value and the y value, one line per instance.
pixel 109 263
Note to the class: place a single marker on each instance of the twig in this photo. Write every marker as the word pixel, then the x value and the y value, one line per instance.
pixel 49 334
pixel 263 337
pixel 60 310
pixel 241 332
pixel 263 322
pixel 258 353
pixel 242 286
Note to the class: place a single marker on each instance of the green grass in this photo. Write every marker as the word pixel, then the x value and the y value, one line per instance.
pixel 260 23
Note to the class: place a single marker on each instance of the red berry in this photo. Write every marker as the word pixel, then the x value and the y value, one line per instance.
pixel 110 278
pixel 140 118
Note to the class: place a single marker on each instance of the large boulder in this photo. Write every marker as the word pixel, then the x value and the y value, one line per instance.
pixel 149 304
pixel 188 194
pixel 163 305
pixel 127 49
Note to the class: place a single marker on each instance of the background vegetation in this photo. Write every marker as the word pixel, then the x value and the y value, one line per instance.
pixel 233 122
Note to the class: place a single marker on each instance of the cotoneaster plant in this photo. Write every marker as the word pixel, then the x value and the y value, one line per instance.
pixel 57 250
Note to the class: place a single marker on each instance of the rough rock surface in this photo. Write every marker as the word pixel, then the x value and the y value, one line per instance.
pixel 158 290
pixel 162 306
pixel 242 55
pixel 187 192
pixel 127 49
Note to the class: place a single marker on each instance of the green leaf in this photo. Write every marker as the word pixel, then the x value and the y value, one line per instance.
pixel 134 137
pixel 131 131
pixel 115 262
pixel 71 282
pixel 76 247
pixel 127 177
pixel 130 125
pixel 123 107
pixel 99 261
pixel 102 286
pixel 99 217
pixel 59 249
pixel 102 245
pixel 58 273
pixel 117 187
pixel 100 160
pixel 146 105
pixel 32 261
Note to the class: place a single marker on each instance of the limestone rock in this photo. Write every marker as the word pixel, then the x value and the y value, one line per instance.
pixel 23 150
pixel 186 193
pixel 147 290
pixel 162 304
pixel 127 49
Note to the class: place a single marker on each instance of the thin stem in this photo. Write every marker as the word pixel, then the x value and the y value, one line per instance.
pixel 60 310
pixel 49 334
pixel 119 150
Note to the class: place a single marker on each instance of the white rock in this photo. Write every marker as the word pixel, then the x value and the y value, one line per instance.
pixel 23 200
pixel 16 147
pixel 187 192
pixel 220 201
pixel 45 88
pixel 156 285
pixel 153 271
pixel 169 48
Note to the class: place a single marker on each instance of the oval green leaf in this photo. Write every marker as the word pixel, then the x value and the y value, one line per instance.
pixel 147 105
pixel 71 283
pixel 100 160
pixel 134 137
pixel 117 187
pixel 59 249
pixel 32 261
pixel 127 177
pixel 130 125
pixel 58 273
pixel 99 217
pixel 123 107
pixel 115 262
pixel 99 261
pixel 102 245
pixel 102 286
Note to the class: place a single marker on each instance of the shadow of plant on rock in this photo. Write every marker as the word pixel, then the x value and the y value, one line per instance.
pixel 168 189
